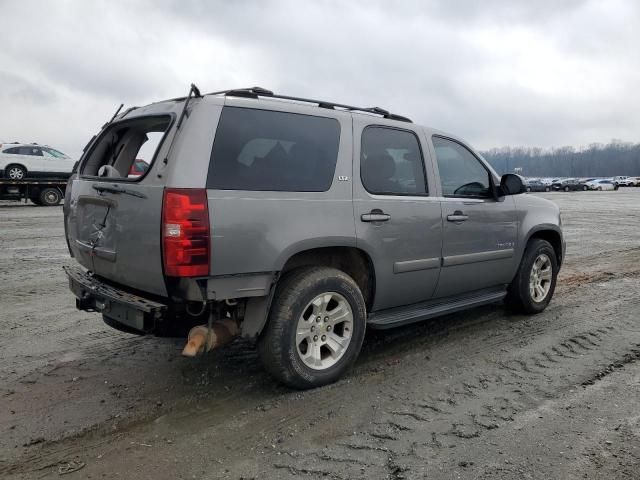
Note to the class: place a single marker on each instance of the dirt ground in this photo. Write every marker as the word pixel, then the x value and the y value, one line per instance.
pixel 479 394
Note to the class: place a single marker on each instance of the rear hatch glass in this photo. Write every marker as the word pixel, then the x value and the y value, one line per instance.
pixel 114 214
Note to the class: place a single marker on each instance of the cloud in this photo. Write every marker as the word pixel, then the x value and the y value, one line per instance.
pixel 495 72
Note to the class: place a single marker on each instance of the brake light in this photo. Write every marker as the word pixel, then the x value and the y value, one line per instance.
pixel 185 232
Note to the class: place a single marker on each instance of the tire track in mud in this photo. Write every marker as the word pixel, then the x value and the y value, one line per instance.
pixel 415 424
pixel 472 405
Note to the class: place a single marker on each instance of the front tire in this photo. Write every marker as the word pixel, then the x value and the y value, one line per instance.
pixel 315 329
pixel 534 284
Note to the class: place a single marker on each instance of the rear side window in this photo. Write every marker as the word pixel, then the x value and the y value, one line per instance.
pixel 273 151
pixel 391 162
pixel 34 151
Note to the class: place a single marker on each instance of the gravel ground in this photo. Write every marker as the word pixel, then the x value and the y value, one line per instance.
pixel 480 394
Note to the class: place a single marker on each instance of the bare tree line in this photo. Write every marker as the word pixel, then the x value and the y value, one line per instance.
pixel 594 160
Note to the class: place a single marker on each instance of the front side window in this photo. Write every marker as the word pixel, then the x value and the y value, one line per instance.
pixel 52 152
pixel 391 162
pixel 461 173
pixel 273 151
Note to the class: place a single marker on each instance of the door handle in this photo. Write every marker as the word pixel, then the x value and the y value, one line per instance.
pixel 375 215
pixel 457 216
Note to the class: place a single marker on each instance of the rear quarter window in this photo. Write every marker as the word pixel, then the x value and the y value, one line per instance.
pixel 273 151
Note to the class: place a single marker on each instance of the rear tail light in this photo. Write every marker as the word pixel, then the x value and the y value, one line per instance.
pixel 185 232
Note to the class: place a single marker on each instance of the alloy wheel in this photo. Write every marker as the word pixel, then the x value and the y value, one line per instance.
pixel 324 330
pixel 540 278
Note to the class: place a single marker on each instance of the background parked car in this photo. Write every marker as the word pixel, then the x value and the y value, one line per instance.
pixel 569 184
pixel 21 160
pixel 603 184
pixel 138 168
pixel 623 181
pixel 537 186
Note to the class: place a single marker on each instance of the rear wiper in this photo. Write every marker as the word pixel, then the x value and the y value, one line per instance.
pixel 193 91
pixel 116 189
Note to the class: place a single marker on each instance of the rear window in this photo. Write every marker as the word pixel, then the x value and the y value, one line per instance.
pixel 273 151
pixel 114 154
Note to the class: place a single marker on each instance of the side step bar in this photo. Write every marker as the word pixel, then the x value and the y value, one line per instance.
pixel 395 317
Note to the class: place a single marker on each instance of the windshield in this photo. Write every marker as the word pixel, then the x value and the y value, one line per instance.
pixel 53 152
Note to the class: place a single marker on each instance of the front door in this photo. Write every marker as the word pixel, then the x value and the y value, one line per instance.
pixel 397 221
pixel 480 232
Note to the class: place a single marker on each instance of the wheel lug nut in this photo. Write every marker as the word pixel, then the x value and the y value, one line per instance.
pixel 324 337
pixel 315 338
pixel 318 319
pixel 313 328
pixel 328 328
pixel 326 319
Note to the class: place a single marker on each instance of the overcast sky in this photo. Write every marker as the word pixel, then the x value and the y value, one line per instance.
pixel 496 72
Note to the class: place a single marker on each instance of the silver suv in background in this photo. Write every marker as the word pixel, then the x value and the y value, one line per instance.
pixel 297 223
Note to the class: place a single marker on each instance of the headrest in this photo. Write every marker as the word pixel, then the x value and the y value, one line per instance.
pixel 381 165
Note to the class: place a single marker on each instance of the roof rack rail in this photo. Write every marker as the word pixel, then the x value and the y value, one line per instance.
pixel 255 92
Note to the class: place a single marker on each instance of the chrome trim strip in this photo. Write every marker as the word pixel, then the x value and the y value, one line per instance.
pixel 414 265
pixel 452 260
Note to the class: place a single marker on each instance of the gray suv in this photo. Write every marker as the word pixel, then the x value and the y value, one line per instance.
pixel 297 223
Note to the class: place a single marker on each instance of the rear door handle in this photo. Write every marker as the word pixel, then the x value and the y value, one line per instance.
pixel 375 215
pixel 457 216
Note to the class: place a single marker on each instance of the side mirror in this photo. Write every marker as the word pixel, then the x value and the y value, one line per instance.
pixel 512 184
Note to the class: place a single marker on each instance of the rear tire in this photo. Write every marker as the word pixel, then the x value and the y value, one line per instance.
pixel 547 189
pixel 315 329
pixel 15 172
pixel 531 290
pixel 566 189
pixel 50 197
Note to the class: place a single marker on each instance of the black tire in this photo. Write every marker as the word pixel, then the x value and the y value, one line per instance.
pixel 547 189
pixel 585 188
pixel 528 189
pixel 277 344
pixel 519 295
pixel 50 197
pixel 15 172
pixel 566 189
pixel 616 186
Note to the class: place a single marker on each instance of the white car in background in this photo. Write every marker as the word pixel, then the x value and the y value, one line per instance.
pixel 602 184
pixel 623 181
pixel 22 160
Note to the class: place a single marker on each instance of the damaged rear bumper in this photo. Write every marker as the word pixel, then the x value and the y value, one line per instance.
pixel 119 308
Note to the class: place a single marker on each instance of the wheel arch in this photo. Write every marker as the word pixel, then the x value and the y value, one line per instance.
pixel 551 234
pixel 15 164
pixel 353 261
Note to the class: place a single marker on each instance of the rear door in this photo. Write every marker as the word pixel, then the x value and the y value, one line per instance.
pixel 480 232
pixel 398 222
pixel 113 222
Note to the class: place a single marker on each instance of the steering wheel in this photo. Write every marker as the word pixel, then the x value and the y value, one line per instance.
pixel 474 187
